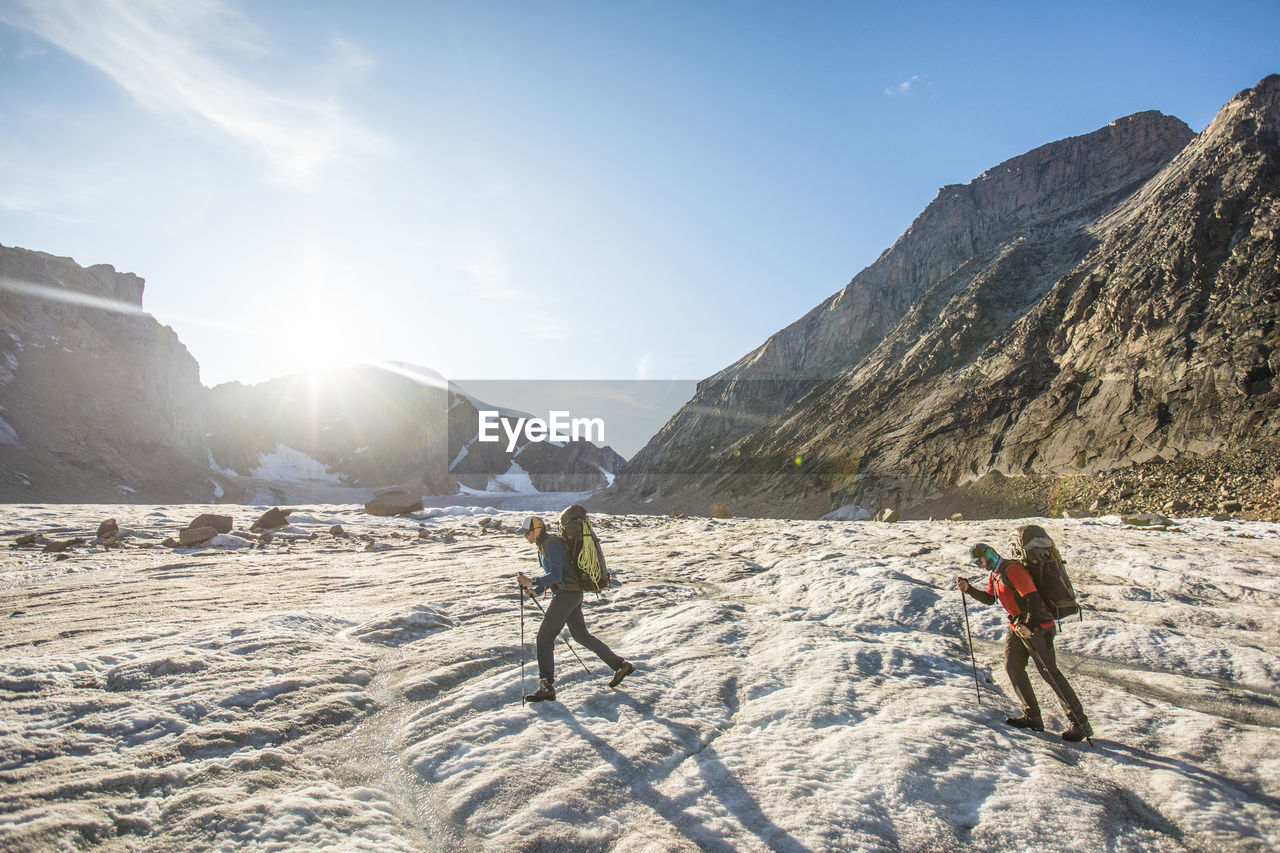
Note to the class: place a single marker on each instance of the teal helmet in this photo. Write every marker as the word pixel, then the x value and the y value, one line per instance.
pixel 977 552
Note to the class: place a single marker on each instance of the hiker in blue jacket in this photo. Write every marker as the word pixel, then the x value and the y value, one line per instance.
pixel 565 609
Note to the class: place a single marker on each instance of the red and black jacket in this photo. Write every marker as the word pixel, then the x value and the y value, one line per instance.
pixel 1011 585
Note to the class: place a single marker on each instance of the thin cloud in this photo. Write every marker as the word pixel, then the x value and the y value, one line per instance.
pixel 488 268
pixel 351 56
pixel 508 294
pixel 906 87
pixel 645 366
pixel 163 53
pixel 547 328
pixel 650 366
pixel 55 195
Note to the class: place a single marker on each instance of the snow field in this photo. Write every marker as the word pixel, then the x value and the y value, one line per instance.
pixel 799 686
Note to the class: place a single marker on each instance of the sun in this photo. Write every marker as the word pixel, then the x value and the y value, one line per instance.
pixel 318 337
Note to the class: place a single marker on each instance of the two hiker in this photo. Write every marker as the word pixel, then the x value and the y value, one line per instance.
pixel 1031 631
pixel 1031 626
pixel 565 609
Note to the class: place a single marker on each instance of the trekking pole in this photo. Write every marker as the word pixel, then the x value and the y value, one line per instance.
pixel 972 661
pixel 566 639
pixel 520 591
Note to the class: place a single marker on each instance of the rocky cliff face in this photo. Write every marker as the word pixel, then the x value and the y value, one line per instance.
pixel 98 401
pixel 1098 302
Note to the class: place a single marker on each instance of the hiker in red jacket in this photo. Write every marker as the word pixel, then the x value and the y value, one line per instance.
pixel 1031 631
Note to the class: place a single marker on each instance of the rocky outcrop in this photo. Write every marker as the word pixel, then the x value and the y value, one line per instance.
pixel 98 401
pixel 1099 302
pixel 578 466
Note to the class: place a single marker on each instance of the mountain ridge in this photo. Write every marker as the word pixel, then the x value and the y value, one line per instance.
pixel 963 384
pixel 100 402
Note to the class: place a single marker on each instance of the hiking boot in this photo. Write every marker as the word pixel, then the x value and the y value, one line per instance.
pixel 621 672
pixel 544 693
pixel 1079 731
pixel 1025 722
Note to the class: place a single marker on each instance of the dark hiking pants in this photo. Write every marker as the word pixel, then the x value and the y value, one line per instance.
pixel 1016 656
pixel 566 609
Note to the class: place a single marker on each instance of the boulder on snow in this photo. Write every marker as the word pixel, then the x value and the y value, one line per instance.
pixel 337 530
pixel 719 510
pixel 1146 519
pixel 848 512
pixel 273 519
pixel 196 535
pixel 394 502
pixel 220 523
pixel 108 529
pixel 888 514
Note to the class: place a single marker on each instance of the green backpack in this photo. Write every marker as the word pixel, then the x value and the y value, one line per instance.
pixel 1040 556
pixel 583 549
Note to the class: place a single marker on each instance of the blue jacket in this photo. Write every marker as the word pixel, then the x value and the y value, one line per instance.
pixel 551 557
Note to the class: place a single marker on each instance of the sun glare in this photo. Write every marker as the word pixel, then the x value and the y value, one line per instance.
pixel 318 342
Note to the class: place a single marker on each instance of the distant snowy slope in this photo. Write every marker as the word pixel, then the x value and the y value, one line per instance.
pixel 291 466
pixel 799 686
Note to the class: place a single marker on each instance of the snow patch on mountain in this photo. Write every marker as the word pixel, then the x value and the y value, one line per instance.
pixel 292 466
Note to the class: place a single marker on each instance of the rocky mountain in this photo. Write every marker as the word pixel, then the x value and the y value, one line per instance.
pixel 98 401
pixel 1100 302
pixel 378 426
pixel 546 466
pixel 366 426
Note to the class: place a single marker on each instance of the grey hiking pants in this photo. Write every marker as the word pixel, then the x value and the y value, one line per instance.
pixel 566 609
pixel 1015 666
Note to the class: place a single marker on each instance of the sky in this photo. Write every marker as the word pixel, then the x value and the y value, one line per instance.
pixel 570 190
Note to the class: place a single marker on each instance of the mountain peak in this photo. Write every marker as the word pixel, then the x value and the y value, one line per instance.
pixel 1257 108
pixel 1099 301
